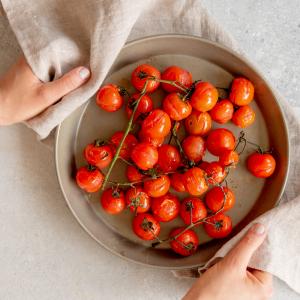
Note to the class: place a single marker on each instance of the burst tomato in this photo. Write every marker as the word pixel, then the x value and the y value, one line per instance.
pixel 229 158
pixel 145 106
pixel 109 98
pixel 194 148
pixel 157 187
pixel 204 97
pixel 181 76
pixel 218 226
pixel 129 143
pixel 165 208
pixel 215 173
pixel 137 200
pixel 168 158
pixel 140 75
pixel 222 112
pixel 192 209
pixel 144 155
pixel 177 182
pixel 133 174
pixel 89 179
pixel 217 196
pixel 241 92
pixel 98 154
pixel 186 243
pixel 220 140
pixel 113 201
pixel 145 226
pixel 157 124
pixel 198 123
pixel 194 181
pixel 261 164
pixel 156 142
pixel 244 116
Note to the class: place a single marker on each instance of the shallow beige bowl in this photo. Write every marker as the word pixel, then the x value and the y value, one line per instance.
pixel 207 61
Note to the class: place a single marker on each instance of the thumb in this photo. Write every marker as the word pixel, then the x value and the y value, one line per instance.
pixel 241 254
pixel 54 90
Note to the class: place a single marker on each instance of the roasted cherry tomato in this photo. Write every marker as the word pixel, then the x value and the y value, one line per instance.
pixel 204 97
pixel 194 181
pixel 218 226
pixel 194 147
pixel 241 92
pixel 144 155
pixel 220 140
pixel 198 123
pixel 98 154
pixel 186 243
pixel 133 174
pixel 229 158
pixel 177 182
pixel 109 98
pixel 157 187
pixel 168 158
pixel 140 75
pixel 177 108
pixel 113 201
pixel 222 112
pixel 145 226
pixel 157 124
pixel 244 116
pixel 261 164
pixel 215 198
pixel 137 200
pixel 174 73
pixel 156 142
pixel 89 179
pixel 192 209
pixel 215 172
pixel 129 143
pixel 165 208
pixel 145 106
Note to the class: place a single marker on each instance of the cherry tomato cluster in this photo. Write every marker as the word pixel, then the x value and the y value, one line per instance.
pixel 158 161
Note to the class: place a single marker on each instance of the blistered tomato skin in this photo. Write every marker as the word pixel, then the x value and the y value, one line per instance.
pixel 217 196
pixel 244 116
pixel 145 106
pixel 186 243
pixel 89 179
pixel 168 158
pixel 177 182
pixel 215 172
pixel 195 182
pixel 222 112
pixel 198 123
pixel 98 155
pixel 261 165
pixel 194 148
pixel 146 227
pixel 220 140
pixel 137 200
pixel 144 155
pixel 229 158
pixel 192 209
pixel 242 91
pixel 157 187
pixel 109 98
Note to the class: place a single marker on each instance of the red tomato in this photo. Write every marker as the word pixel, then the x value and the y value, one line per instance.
pixel 194 181
pixel 156 142
pixel 157 124
pixel 244 116
pixel 192 209
pixel 241 92
pixel 229 158
pixel 186 243
pixel 198 123
pixel 109 98
pixel 89 179
pixel 215 173
pixel 137 200
pixel 222 112
pixel 144 155
pixel 177 182
pixel 261 165
pixel 177 74
pixel 218 226
pixel 216 196
pixel 194 147
pixel 157 187
pixel 98 154
pixel 168 158
pixel 177 108
pixel 204 97
pixel 139 77
pixel 145 226
pixel 113 201
pixel 133 174
pixel 219 140
pixel 129 143
pixel 145 106
pixel 165 208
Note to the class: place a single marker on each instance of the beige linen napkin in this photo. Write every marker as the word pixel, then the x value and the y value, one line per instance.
pixel 57 35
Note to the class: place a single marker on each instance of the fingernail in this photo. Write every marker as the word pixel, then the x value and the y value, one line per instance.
pixel 84 73
pixel 258 229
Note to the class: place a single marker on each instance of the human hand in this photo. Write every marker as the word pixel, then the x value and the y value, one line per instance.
pixel 230 278
pixel 23 95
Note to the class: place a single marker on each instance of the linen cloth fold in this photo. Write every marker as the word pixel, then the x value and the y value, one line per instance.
pixel 58 35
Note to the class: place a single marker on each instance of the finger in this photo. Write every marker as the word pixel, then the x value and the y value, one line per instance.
pixel 241 254
pixel 54 90
pixel 264 277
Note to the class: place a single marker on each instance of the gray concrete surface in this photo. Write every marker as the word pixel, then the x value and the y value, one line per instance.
pixel 44 254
